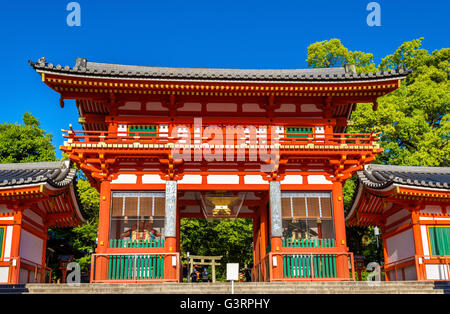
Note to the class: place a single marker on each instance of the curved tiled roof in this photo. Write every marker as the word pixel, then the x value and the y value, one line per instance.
pixel 94 69
pixel 382 176
pixel 57 174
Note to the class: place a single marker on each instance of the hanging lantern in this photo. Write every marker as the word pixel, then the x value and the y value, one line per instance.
pixel 221 204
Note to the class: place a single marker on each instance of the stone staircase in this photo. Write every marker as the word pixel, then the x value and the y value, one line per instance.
pixel 13 288
pixel 398 287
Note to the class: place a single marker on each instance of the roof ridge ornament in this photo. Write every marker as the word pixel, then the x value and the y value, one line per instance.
pixel 350 68
pixel 80 64
pixel 400 68
pixel 42 62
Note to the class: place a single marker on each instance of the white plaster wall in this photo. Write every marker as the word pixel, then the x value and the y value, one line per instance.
pixel 31 247
pixel 4 270
pixel 8 242
pixel 432 209
pixel 23 276
pixel 228 107
pixel 410 273
pixel 122 128
pixel 254 179
pixel 125 178
pixel 310 108
pixel 152 178
pixel 437 271
pixel 131 105
pixel 398 215
pixel 223 179
pixel 191 179
pixel 191 106
pixel 424 237
pixel 4 209
pixel 249 107
pixel 33 216
pixel 318 179
pixel 155 106
pixel 292 179
pixel 400 246
pixel 286 108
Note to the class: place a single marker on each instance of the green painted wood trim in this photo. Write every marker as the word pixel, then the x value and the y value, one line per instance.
pixel 439 240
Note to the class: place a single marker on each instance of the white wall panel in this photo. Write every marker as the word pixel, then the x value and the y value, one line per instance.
pixel 400 246
pixel 31 247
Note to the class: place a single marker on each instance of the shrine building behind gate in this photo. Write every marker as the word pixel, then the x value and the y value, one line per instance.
pixel 33 197
pixel 161 144
pixel 411 205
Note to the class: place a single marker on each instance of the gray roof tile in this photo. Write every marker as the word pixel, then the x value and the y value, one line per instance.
pixel 132 71
pixel 381 176
pixel 58 174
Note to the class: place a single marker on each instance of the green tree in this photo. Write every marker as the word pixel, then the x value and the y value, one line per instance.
pixel 83 237
pixel 413 120
pixel 25 142
pixel 231 238
pixel 332 53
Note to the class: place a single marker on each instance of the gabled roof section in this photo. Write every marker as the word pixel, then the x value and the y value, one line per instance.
pixel 58 174
pixel 382 176
pixel 117 71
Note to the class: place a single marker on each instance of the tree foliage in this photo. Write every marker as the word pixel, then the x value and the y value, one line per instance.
pixel 413 120
pixel 25 142
pixel 231 238
pixel 331 53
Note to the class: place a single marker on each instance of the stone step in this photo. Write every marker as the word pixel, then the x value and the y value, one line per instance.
pixel 308 291
pixel 240 288
pixel 12 288
pixel 253 284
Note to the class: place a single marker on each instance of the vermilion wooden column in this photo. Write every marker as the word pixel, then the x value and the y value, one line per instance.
pixel 339 228
pixel 101 263
pixel 417 242
pixel 256 256
pixel 170 231
pixel 15 245
pixel 385 254
pixel 263 230
pixel 276 226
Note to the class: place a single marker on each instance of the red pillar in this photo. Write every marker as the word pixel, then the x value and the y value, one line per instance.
pixel 171 232
pixel 263 230
pixel 256 256
pixel 101 263
pixel 339 227
pixel 15 245
pixel 417 243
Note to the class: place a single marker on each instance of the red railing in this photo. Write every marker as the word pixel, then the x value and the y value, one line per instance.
pixel 261 270
pixel 441 262
pixel 395 271
pixel 120 137
pixel 32 270
pixel 304 266
pixel 135 267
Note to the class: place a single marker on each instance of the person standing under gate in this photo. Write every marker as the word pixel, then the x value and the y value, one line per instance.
pixel 205 275
pixel 193 276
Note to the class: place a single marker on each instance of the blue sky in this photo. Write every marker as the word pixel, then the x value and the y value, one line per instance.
pixel 233 34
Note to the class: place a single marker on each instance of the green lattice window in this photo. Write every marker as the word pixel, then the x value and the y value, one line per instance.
pixel 2 237
pixel 133 129
pixel 297 129
pixel 439 240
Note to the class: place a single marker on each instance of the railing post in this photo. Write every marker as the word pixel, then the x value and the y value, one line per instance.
pixel 135 268
pixel 92 270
